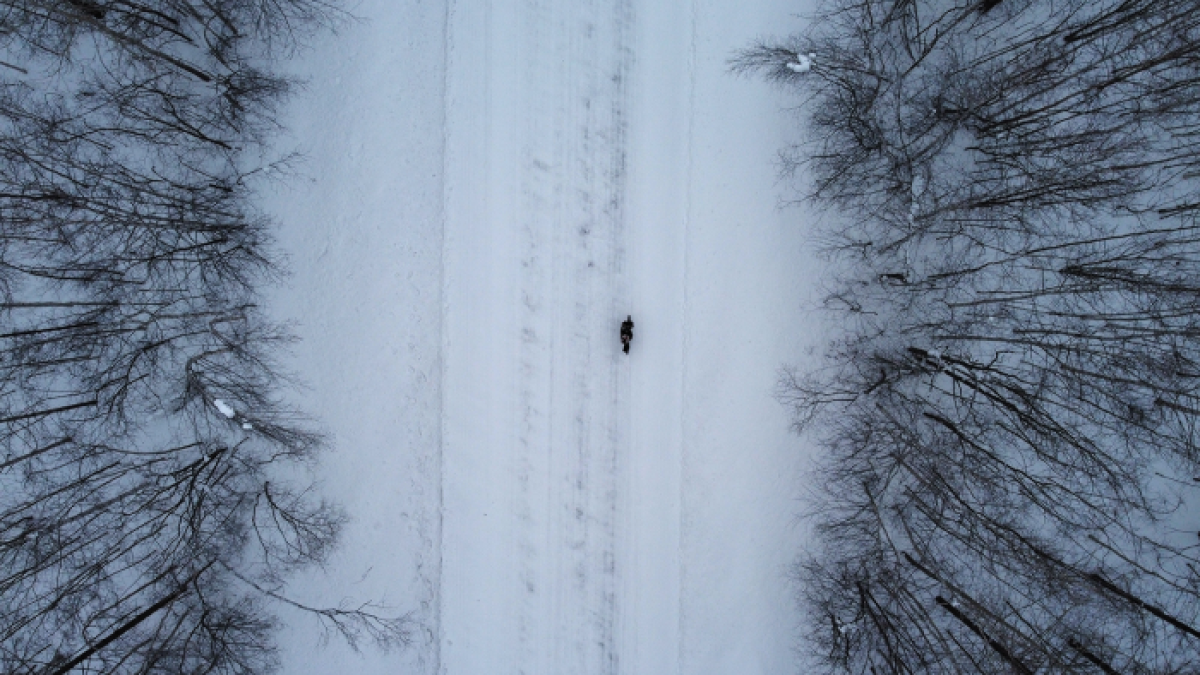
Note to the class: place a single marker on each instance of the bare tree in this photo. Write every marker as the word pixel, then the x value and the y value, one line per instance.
pixel 1009 417
pixel 151 512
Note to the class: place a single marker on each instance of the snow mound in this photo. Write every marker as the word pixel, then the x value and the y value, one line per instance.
pixel 803 63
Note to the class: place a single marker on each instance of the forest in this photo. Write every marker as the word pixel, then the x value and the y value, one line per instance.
pixel 1007 414
pixel 1009 477
pixel 155 492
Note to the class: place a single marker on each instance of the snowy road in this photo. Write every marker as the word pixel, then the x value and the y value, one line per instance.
pixel 536 413
pixel 497 183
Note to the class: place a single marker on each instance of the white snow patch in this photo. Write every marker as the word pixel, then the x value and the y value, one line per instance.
pixel 918 186
pixel 224 408
pixel 917 189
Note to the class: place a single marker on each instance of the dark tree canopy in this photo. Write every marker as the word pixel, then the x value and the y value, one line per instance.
pixel 151 509
pixel 1009 416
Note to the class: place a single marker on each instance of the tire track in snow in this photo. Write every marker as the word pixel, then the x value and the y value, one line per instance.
pixel 571 242
pixel 685 317
pixel 434 579
pixel 536 430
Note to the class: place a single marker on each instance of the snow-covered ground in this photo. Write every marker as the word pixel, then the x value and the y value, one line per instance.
pixel 490 188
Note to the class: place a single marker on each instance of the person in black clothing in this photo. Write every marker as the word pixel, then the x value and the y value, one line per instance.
pixel 626 333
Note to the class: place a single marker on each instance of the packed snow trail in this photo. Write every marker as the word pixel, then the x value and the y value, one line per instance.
pixel 497 184
pixel 536 415
pixel 573 475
